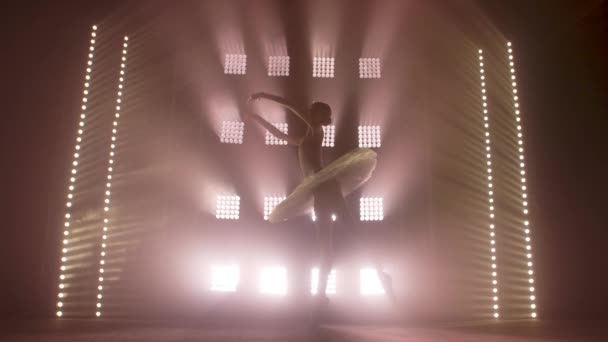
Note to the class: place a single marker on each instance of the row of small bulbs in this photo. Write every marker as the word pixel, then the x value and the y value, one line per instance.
pixel 486 124
pixel 522 172
pixel 72 184
pixel 524 188
pixel 106 209
pixel 67 232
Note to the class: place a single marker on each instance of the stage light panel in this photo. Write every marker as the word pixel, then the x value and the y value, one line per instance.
pixel 232 132
pixel 371 209
pixel 272 140
pixel 369 68
pixel 110 169
pixel 329 136
pixel 522 171
pixel 74 170
pixel 224 278
pixel 235 64
pixel 370 284
pixel 486 138
pixel 278 66
pixel 323 67
pixel 273 281
pixel 369 136
pixel 331 282
pixel 227 207
pixel 270 203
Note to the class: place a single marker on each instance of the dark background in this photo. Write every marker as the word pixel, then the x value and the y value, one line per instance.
pixel 562 54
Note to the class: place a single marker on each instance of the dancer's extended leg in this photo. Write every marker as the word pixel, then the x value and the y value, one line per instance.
pixel 325 240
pixel 350 224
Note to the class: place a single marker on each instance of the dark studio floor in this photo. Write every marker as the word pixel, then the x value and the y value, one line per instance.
pixel 115 331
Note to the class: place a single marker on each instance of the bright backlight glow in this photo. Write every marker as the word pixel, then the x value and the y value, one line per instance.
pixel 371 209
pixel 369 136
pixel 273 281
pixel 227 207
pixel 224 278
pixel 370 284
pixel 314 282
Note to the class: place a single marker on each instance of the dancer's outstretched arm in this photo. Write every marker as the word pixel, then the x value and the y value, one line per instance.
pixel 280 100
pixel 272 129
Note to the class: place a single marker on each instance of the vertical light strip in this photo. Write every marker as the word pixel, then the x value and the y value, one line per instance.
pixel 524 188
pixel 106 208
pixel 492 226
pixel 71 188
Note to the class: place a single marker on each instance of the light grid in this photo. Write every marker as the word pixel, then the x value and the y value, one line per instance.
pixel 486 124
pixel 278 66
pixel 227 207
pixel 371 209
pixel 232 132
pixel 369 136
pixel 61 295
pixel 270 202
pixel 272 140
pixel 106 209
pixel 329 136
pixel 370 284
pixel 330 288
pixel 524 188
pixel 369 68
pixel 273 280
pixel 224 278
pixel 323 67
pixel 235 64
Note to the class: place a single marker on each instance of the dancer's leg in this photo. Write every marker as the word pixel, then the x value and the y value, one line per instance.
pixel 325 241
pixel 351 225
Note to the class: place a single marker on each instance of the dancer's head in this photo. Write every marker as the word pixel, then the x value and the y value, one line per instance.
pixel 320 113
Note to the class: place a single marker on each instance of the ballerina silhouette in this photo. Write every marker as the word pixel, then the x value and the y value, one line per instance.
pixel 327 193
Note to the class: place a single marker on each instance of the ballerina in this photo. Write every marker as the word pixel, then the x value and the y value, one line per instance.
pixel 324 185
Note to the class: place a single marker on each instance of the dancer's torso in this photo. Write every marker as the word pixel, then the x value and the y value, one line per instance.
pixel 309 152
pixel 328 194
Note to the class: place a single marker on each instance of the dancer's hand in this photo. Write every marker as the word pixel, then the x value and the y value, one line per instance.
pixel 257 96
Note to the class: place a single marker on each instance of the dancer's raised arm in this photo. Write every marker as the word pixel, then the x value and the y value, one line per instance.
pixel 282 101
pixel 272 129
